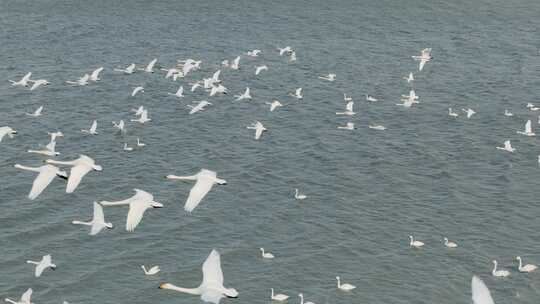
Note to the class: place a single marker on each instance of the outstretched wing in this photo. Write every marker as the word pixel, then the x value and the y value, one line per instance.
pixel 480 292
pixel 75 176
pixel 25 298
pixel 41 182
pixel 212 274
pixel 198 192
pixel 135 214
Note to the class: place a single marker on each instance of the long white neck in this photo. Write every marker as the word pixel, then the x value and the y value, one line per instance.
pixel 301 299
pixel 520 265
pixel 494 267
pixel 10 301
pixel 193 291
pixel 272 290
pixel 338 282
pixel 52 161
pixel 82 223
pixel 446 241
pixel 412 240
pixel 144 269
pixel 36 263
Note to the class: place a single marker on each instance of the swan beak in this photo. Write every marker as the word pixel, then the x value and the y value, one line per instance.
pixel 162 285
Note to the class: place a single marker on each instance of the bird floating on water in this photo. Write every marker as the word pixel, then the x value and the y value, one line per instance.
pixel 371 98
pixel 98 221
pixel 266 255
pixel 499 273
pixel 205 180
pixel 46 175
pixel 138 204
pixel 377 127
pixel 127 148
pixel 525 268
pixel 452 113
pixel 259 129
pixel 348 126
pixel 211 288
pixel 80 167
pixel 449 244
pixel 140 143
pixel 277 297
pixel 415 244
pixel 345 286
pixel 301 295
pixel 508 113
pixel 298 195
pixel 44 263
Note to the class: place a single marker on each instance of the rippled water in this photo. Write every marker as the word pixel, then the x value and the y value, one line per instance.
pixel 427 175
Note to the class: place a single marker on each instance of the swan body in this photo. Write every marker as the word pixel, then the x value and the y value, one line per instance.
pixel 470 112
pixel 152 271
pixel 44 263
pixel 140 143
pixel 298 195
pixel 480 292
pixel 330 77
pixel 143 118
pixel 23 82
pixel 528 129
pixel 137 90
pixel 415 244
pixel 297 94
pixel 245 95
pixel 38 83
pixel 120 126
pixel 261 68
pixel 344 287
pixel 525 268
pixel 508 113
pixel 285 50
pixel 409 78
pixel 25 298
pixel 377 127
pixel 129 70
pixel 218 89
pixel 348 126
pixel 150 67
pixel 127 148
pixel 452 113
pixel 98 221
pixel 36 113
pixel 449 244
pixel 95 74
pixel 346 98
pixel 199 107
pixel 92 130
pixel 266 255
pixel 278 297
pixel 179 93
pixel 7 131
pixel 349 111
pixel 254 53
pixel 507 147
pixel 138 204
pixel 425 56
pixel 499 273
pixel 274 105
pixel 46 175
pixel 371 98
pixel 80 167
pixel 211 288
pixel 259 129
pixel 81 81
pixel 205 181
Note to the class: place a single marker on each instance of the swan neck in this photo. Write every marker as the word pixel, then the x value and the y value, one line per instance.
pixel 193 291
pixel 520 264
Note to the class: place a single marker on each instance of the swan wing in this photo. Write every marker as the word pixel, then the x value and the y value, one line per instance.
pixel 25 298
pixel 422 63
pixel 135 214
pixel 75 176
pixel 198 192
pixel 528 128
pixel 212 296
pixel 480 292
pixel 44 178
pixel 93 128
pixel 212 274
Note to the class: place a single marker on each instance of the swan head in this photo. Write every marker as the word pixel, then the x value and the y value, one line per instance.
pixel 301 295
pixel 494 262
pixel 165 285
pixel 518 258
pixel 156 205
pixel 231 293
pixel 261 249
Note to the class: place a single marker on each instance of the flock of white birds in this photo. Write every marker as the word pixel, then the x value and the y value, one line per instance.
pixel 212 287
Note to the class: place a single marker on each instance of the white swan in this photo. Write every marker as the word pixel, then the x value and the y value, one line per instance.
pixel 330 77
pixel 211 288
pixel 377 127
pixel 348 126
pixel 151 271
pixel 253 53
pixel 526 268
pixel 452 113
pixel 278 297
pixel 140 143
pixel 80 167
pixel 23 82
pixel 499 273
pixel 348 109
pixel 245 95
pixel 508 113
pixel 261 68
pixel 138 204
pixel 150 67
pixel 507 147
pixel 235 65
pixel 528 129
pixel 415 244
pixel 410 97
pixel 36 113
pixel 179 93
pixel 409 78
pixel 259 129
pixel 371 98
pixel 199 107
pixel 266 255
pixel 38 83
pixel 425 56
pixel 218 89
pixel 449 244
pixel 346 98
pixel 143 118
pixel 137 90
pixel 95 74
pixel 205 180
pixel 274 104
pixel 81 81
pixel 44 263
pixel 301 295
pixel 285 50
pixel 49 150
pixel 46 174
pixel 298 195
pixel 129 70
pixel 470 112
pixel 292 56
pixel 25 298
pixel 92 130
pixel 6 131
pixel 480 292
pixel 120 126
pixel 344 287
pixel 98 221
pixel 127 148
pixel 297 94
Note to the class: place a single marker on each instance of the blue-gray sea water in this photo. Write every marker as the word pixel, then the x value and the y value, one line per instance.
pixel 428 174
